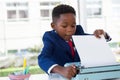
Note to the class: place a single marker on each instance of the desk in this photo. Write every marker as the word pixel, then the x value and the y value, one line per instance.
pixel 32 77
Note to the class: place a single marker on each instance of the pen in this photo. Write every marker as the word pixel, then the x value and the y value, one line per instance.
pixel 24 63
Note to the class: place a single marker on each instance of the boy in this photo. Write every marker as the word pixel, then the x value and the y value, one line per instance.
pixel 56 51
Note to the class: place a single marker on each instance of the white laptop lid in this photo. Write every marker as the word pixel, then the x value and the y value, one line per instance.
pixel 94 52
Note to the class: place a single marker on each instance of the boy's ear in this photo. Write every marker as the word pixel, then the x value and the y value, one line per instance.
pixel 52 25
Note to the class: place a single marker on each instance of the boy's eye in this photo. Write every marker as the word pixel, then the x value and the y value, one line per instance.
pixel 73 26
pixel 64 26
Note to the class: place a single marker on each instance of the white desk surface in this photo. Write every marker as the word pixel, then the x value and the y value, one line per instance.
pixel 32 77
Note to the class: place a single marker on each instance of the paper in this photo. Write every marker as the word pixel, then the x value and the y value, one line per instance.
pixel 94 52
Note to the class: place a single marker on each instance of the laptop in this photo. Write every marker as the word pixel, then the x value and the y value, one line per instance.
pixel 93 51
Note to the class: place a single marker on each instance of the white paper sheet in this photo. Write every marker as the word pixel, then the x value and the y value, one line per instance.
pixel 94 52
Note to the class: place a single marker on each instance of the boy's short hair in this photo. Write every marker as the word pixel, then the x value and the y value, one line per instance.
pixel 62 9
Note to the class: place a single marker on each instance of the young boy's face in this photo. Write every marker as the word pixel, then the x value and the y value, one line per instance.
pixel 65 25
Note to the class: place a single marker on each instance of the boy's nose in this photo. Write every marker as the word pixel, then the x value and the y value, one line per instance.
pixel 70 28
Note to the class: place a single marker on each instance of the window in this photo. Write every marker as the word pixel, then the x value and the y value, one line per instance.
pixel 11 14
pixel 92 12
pixel 49 3
pixel 46 9
pixel 44 13
pixel 94 8
pixel 44 3
pixel 98 2
pixel 14 4
pixel 54 3
pixel 17 11
pixel 23 13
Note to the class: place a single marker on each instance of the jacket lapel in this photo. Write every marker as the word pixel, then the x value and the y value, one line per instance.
pixel 63 44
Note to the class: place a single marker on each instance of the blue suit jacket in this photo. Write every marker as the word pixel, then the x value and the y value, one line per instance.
pixel 56 50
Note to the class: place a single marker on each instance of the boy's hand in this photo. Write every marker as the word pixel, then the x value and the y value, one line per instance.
pixel 99 32
pixel 67 72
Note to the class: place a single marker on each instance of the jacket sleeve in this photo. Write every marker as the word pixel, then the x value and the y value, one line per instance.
pixel 45 58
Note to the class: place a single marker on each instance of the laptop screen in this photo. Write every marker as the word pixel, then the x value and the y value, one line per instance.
pixel 94 52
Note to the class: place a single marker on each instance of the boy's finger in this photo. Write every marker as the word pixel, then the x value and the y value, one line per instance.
pixel 74 70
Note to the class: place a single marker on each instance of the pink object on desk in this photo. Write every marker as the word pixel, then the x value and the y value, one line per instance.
pixel 19 77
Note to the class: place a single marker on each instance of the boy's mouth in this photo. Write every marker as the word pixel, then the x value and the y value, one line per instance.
pixel 68 35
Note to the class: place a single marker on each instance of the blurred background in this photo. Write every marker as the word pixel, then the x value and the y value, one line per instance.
pixel 23 23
